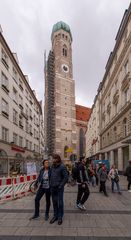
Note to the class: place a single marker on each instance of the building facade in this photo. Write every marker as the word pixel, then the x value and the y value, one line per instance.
pixel 114 100
pixel 21 119
pixel 93 131
pixel 60 112
pixel 82 117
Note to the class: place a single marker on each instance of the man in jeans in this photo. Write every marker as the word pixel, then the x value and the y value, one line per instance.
pixel 59 177
pixel 82 181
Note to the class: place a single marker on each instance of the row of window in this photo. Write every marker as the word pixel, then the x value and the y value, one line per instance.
pixel 28 112
pixel 18 119
pixel 18 140
pixel 125 128
pixel 5 81
pixel 125 99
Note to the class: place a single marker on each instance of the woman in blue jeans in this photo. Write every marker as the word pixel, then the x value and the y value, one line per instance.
pixel 113 174
pixel 44 189
pixel 58 179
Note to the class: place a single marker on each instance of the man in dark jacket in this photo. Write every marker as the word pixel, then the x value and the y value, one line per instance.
pixel 128 174
pixel 58 179
pixel 82 181
pixel 44 188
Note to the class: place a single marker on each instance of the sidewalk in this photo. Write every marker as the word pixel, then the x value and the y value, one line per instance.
pixel 105 218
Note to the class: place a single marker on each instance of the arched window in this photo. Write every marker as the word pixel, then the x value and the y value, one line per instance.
pixel 125 127
pixel 64 51
pixel 65 151
pixel 82 142
pixel 3 153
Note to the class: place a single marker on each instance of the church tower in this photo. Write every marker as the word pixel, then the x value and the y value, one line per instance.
pixel 60 112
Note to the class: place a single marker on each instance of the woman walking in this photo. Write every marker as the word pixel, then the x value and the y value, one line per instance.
pixel 113 174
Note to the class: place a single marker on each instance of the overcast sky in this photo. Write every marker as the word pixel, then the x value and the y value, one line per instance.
pixel 27 26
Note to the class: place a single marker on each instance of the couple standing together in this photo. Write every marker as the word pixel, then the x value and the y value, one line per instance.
pixel 52 181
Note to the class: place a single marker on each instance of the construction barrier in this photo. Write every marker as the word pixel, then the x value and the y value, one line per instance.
pixel 15 187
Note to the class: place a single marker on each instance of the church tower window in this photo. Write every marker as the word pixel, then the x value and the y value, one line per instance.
pixel 64 51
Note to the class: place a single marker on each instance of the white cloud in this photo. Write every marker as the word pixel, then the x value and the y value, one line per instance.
pixel 27 26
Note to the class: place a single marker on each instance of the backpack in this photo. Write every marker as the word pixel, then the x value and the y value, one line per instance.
pixel 103 176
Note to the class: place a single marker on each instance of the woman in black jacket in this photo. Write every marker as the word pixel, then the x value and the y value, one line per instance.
pixel 43 179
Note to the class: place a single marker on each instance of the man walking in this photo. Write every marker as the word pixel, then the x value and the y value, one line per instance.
pixel 82 181
pixel 128 174
pixel 59 177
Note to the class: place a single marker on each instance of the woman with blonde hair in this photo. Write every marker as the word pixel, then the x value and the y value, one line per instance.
pixel 114 176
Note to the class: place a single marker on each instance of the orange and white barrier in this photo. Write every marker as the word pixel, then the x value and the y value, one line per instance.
pixel 12 188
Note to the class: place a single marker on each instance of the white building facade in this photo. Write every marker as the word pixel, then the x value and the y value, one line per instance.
pixel 115 101
pixel 21 119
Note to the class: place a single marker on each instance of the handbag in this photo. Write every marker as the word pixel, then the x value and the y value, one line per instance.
pixel 116 178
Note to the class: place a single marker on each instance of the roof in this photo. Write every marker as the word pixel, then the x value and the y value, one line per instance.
pixel 61 25
pixel 82 113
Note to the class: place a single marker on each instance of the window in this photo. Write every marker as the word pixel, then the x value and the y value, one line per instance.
pixel 125 94
pixel 20 141
pixel 30 126
pixel 126 67
pixel 64 51
pixel 26 94
pixel 30 114
pixel 26 126
pixel 20 101
pixel 116 108
pixel 125 127
pixel 26 110
pixel 27 144
pixel 5 107
pixel 21 84
pixel 4 81
pixel 15 138
pixel 15 116
pixel 15 75
pixel 5 134
pixel 15 95
pixel 4 58
pixel 30 99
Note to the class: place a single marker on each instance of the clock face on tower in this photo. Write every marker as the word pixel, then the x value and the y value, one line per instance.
pixel 65 68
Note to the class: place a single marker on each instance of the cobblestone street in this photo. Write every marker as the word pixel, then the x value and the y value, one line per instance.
pixel 105 218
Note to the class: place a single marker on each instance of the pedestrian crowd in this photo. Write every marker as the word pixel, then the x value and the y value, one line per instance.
pixel 52 179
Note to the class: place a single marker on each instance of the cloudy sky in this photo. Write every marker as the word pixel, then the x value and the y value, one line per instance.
pixel 27 26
